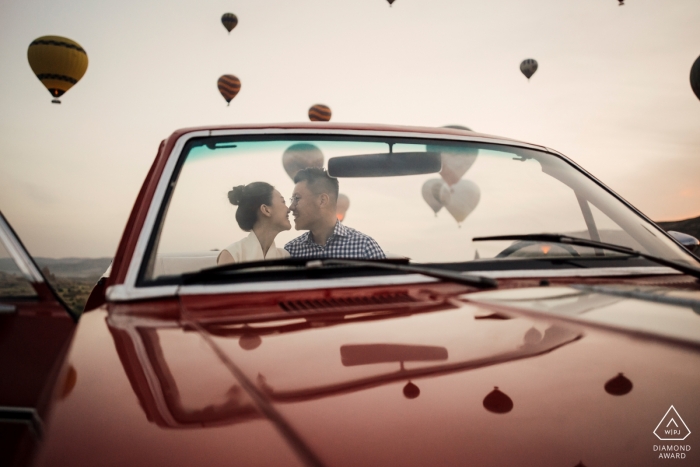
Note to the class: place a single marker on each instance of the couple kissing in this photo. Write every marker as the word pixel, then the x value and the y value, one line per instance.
pixel 262 211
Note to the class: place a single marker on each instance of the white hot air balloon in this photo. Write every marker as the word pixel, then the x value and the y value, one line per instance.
pixel 431 193
pixel 456 161
pixel 460 199
pixel 342 206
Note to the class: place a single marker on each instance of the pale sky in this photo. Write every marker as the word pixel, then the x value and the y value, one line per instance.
pixel 612 91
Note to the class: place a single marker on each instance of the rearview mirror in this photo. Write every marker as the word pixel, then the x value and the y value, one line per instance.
pixel 385 164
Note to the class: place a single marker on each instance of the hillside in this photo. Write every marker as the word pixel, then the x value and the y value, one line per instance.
pixel 687 226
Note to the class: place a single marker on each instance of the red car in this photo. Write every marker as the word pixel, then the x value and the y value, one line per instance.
pixel 473 300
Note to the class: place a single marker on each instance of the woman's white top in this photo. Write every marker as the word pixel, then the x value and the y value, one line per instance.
pixel 249 249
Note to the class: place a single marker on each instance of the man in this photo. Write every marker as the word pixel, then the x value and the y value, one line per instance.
pixel 314 208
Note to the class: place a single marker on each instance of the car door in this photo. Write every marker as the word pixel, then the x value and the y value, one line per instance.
pixel 35 332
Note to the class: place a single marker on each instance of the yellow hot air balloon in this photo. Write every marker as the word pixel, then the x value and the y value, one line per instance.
pixel 58 62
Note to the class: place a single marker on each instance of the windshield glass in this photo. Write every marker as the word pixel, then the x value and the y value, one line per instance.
pixel 234 200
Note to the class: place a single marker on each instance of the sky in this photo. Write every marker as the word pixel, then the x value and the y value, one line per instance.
pixel 612 91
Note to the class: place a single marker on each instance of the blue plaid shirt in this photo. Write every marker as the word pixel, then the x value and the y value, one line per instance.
pixel 343 243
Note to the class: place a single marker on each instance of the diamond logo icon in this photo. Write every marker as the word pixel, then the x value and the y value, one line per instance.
pixel 672 427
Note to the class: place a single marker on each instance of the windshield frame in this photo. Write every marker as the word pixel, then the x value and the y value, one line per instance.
pixel 135 287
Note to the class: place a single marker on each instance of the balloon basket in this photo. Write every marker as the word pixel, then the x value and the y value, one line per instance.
pixel 55 101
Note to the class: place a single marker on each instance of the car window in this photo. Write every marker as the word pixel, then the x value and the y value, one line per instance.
pixel 423 212
pixel 12 282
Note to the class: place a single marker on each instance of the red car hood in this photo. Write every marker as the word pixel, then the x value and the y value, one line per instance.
pixel 540 376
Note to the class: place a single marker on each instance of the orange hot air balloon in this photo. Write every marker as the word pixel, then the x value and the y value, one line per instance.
pixel 300 156
pixel 320 113
pixel 229 20
pixel 229 86
pixel 58 62
pixel 341 208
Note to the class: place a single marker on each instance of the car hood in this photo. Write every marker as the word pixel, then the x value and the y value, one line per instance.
pixel 541 376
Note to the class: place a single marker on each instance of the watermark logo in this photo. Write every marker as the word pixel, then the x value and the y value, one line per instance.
pixel 672 427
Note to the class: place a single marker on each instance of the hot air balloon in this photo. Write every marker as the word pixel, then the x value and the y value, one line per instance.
pixel 498 402
pixel 411 391
pixel 342 206
pixel 528 67
pixel 58 62
pixel 618 386
pixel 695 77
pixel 460 199
pixel 533 336
pixel 229 20
pixel 455 161
pixel 431 193
pixel 229 86
pixel 300 156
pixel 320 113
pixel 390 2
pixel 622 2
pixel 458 127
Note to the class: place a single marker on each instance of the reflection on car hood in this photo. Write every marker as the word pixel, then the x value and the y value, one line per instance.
pixel 509 377
pixel 652 311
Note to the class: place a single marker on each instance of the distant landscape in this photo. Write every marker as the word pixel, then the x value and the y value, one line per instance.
pixel 73 278
pixel 687 226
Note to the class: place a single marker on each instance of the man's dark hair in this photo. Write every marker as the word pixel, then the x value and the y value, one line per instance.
pixel 318 181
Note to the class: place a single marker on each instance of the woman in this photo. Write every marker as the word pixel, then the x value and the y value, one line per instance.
pixel 263 212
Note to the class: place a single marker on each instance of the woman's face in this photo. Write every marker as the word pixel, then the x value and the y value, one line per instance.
pixel 280 212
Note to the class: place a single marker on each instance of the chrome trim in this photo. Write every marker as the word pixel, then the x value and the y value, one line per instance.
pixel 119 293
pixel 19 254
pixel 578 272
pixel 637 294
pixel 122 293
pixel 149 222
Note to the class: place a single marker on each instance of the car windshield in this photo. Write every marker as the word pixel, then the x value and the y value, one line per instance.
pixel 424 200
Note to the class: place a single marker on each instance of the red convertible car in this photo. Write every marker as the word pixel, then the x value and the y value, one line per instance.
pixel 477 301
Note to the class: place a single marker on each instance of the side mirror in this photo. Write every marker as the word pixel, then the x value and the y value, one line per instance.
pixel 688 241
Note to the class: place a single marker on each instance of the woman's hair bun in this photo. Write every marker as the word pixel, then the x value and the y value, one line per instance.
pixel 236 195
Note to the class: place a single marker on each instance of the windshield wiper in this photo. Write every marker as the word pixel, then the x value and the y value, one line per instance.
pixel 304 264
pixel 566 239
pixel 466 279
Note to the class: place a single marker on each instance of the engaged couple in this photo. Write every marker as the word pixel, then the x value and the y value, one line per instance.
pixel 262 211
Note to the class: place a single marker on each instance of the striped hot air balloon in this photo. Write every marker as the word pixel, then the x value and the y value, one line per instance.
pixel 58 62
pixel 229 86
pixel 320 113
pixel 229 20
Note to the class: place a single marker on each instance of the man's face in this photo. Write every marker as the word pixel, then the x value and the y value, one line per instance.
pixel 305 206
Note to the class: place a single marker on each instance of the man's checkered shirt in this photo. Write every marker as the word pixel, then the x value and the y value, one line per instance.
pixel 345 242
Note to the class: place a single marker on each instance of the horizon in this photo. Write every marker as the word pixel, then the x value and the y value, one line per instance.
pixel 611 92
